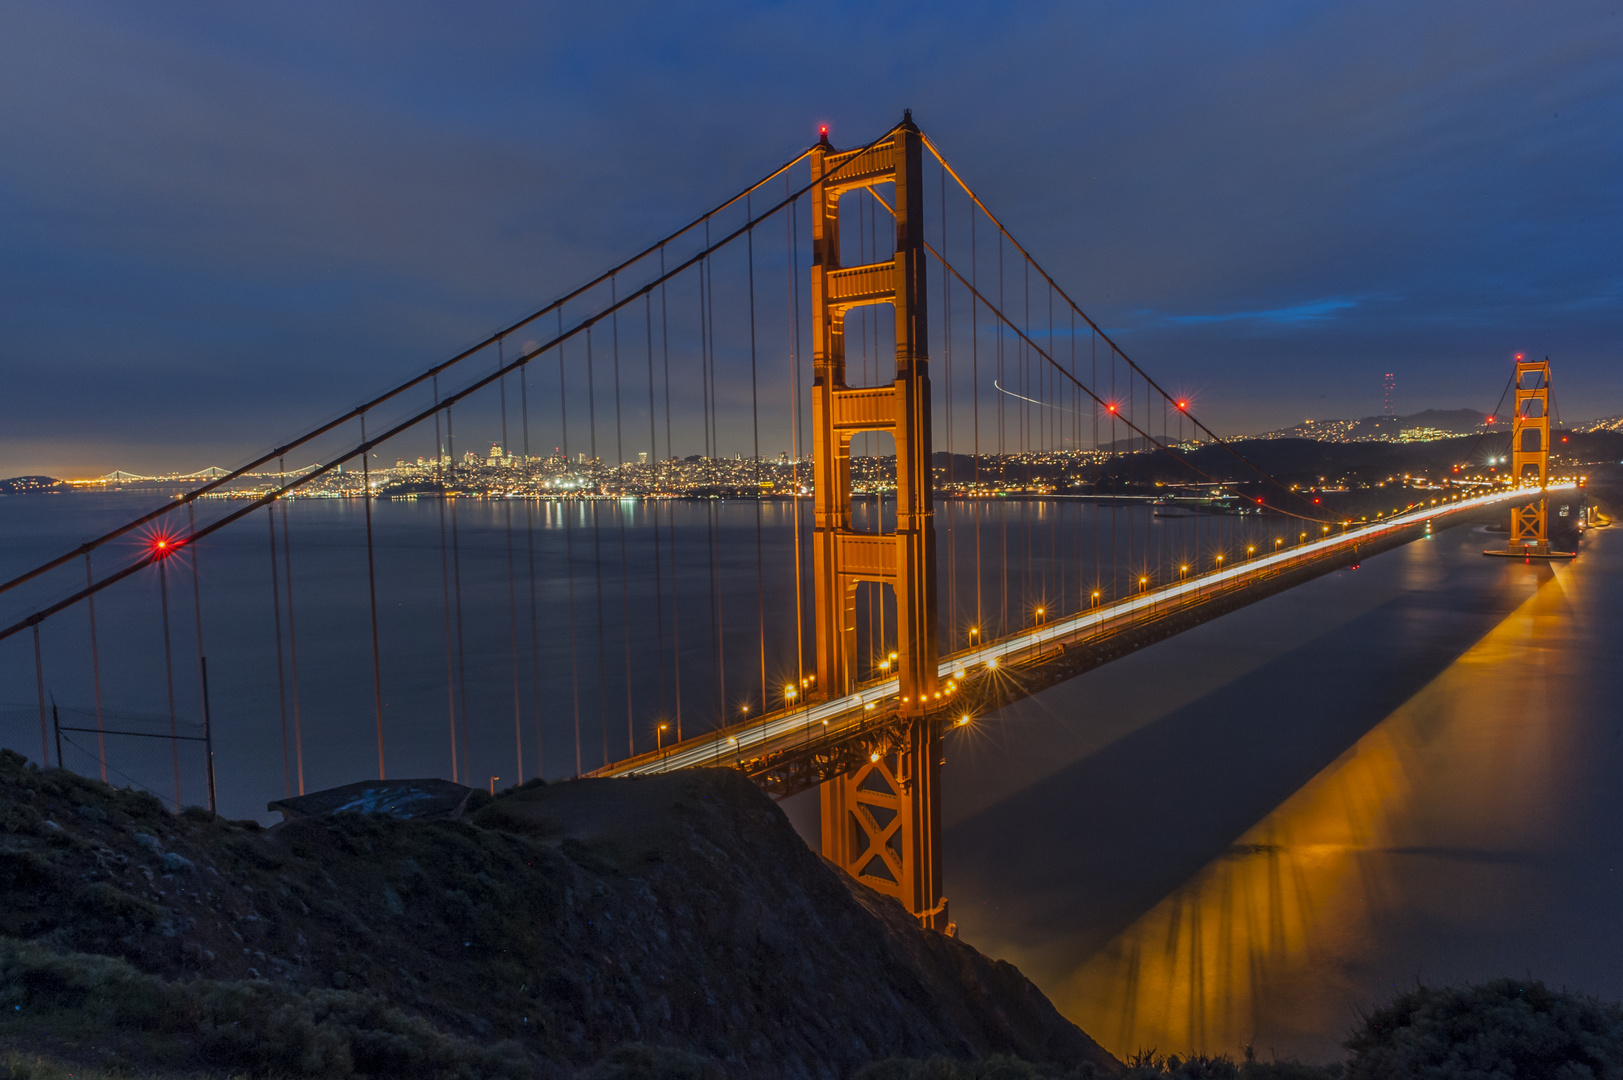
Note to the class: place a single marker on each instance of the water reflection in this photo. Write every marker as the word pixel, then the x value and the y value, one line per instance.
pixel 1427 818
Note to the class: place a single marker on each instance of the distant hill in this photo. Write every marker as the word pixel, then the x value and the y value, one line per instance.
pixel 28 485
pixel 1415 427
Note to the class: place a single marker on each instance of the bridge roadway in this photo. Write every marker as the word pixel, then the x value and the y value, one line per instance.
pixel 875 705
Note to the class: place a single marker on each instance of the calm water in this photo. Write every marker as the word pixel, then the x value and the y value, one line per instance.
pixel 1405 772
pixel 1242 835
pixel 680 613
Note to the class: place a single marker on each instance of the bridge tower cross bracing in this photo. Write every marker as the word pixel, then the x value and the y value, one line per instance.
pixel 1530 455
pixel 879 822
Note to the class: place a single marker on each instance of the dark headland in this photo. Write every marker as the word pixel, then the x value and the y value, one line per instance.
pixel 673 925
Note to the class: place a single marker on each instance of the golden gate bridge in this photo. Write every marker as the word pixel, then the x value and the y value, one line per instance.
pixel 876 628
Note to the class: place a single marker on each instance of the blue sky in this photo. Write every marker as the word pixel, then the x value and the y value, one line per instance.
pixel 221 222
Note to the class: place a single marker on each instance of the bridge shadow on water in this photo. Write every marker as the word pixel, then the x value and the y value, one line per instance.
pixel 1177 847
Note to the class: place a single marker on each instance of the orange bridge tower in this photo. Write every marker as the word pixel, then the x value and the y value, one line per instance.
pixel 880 821
pixel 1530 462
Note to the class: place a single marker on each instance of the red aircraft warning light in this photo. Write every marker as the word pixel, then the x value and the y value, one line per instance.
pixel 1183 405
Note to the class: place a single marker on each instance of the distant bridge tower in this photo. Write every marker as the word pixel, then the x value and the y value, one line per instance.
pixel 1530 461
pixel 880 821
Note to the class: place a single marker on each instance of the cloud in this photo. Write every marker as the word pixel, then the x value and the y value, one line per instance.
pixel 1315 311
pixel 209 206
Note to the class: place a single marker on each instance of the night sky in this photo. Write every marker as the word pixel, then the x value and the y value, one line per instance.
pixel 220 223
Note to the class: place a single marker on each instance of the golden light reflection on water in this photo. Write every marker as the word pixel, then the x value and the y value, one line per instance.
pixel 1260 946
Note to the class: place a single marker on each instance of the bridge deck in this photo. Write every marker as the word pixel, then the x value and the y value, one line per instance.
pixel 873 714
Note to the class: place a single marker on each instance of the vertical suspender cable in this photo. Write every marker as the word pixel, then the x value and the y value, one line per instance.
pixel 512 573
pixel 792 226
pixel 715 439
pixel 202 661
pixel 597 551
pixel 530 497
pixel 440 472
pixel 706 331
pixel 670 455
pixel 975 413
pixel 652 504
pixel 569 550
pixel 95 672
pixel 39 685
pixel 1053 444
pixel 620 519
pixel 372 595
pixel 946 337
pixel 292 638
pixel 1098 467
pixel 755 421
pixel 169 673
pixel 456 594
pixel 1002 449
pixel 281 680
pixel 1024 412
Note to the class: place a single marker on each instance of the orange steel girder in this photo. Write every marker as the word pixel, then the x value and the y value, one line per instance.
pixel 879 823
pixel 1530 454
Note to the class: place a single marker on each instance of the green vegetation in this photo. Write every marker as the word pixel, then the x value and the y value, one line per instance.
pixel 1501 1030
pixel 258 1026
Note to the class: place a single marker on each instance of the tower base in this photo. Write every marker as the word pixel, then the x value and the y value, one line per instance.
pixel 1533 551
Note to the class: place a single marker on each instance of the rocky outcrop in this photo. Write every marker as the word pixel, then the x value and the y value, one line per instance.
pixel 569 920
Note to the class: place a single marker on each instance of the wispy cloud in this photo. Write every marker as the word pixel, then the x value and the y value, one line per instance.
pixel 1316 311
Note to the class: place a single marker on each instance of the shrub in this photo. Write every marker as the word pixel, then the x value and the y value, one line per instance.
pixel 1502 1028
pixel 259 1026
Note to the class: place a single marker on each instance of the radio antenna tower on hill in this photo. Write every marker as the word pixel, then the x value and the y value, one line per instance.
pixel 1386 407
